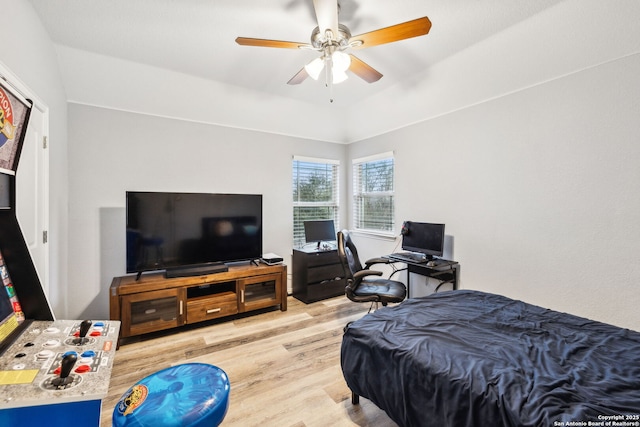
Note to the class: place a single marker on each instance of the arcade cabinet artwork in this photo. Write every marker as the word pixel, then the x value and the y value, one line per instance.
pixel 11 314
pixel 14 116
pixel 52 372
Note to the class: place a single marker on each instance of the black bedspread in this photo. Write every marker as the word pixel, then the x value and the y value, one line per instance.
pixel 467 358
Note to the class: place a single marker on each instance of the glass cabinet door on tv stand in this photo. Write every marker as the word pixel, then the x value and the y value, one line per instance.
pixel 152 311
pixel 259 292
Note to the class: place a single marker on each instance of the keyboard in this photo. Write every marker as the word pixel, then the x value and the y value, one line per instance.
pixel 414 257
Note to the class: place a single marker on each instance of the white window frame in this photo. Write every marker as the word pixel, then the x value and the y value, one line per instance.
pixel 360 194
pixel 331 205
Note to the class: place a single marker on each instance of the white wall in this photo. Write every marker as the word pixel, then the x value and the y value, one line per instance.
pixel 29 54
pixel 535 172
pixel 95 79
pixel 573 35
pixel 112 151
pixel 538 188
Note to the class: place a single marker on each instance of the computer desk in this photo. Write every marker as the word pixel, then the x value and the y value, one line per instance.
pixel 444 271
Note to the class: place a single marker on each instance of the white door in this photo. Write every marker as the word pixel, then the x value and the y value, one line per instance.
pixel 32 192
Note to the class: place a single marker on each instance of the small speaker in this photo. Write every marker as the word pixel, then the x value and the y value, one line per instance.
pixel 405 228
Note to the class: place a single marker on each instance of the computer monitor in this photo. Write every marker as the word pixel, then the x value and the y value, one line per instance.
pixel 319 231
pixel 423 237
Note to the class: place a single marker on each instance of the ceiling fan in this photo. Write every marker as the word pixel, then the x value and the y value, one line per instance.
pixel 332 39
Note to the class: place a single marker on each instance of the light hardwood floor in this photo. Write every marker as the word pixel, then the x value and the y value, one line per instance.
pixel 284 367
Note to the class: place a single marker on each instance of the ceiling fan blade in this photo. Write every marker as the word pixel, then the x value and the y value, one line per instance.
pixel 246 41
pixel 394 33
pixel 327 15
pixel 299 77
pixel 364 70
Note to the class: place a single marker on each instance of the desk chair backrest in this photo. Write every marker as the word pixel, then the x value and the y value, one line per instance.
pixel 348 254
pixel 351 265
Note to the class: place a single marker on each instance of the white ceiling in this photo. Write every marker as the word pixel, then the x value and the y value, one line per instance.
pixel 196 37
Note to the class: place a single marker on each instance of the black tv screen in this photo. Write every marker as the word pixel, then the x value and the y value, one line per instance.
pixel 424 237
pixel 168 230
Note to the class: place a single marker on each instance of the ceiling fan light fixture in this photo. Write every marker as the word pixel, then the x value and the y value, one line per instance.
pixel 341 61
pixel 339 76
pixel 314 68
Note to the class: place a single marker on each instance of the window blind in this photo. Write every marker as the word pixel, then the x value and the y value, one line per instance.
pixel 373 193
pixel 315 193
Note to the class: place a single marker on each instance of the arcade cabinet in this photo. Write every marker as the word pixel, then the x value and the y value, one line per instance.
pixel 52 372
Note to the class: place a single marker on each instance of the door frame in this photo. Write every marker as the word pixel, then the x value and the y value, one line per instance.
pixel 43 269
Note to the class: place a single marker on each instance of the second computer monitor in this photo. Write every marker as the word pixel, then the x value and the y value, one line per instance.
pixel 423 237
pixel 319 231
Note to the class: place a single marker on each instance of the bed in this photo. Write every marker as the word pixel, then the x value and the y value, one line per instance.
pixel 468 358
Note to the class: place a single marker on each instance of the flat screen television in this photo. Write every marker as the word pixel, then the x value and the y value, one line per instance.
pixel 318 231
pixel 423 237
pixel 176 230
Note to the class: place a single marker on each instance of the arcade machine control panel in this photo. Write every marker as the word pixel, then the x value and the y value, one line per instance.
pixel 57 362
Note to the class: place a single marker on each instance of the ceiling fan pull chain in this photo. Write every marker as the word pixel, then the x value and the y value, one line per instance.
pixel 329 76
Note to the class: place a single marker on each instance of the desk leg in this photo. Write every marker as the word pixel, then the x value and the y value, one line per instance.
pixel 432 274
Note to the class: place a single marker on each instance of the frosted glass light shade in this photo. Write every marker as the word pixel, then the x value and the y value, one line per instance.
pixel 314 68
pixel 341 61
pixel 339 76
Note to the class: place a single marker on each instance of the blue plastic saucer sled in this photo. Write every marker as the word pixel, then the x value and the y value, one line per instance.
pixel 189 395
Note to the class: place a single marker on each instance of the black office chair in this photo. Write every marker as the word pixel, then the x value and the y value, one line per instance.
pixel 361 287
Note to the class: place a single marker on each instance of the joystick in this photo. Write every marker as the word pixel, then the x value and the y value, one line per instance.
pixel 84 328
pixel 65 369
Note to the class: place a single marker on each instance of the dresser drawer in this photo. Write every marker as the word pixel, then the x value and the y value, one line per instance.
pixel 212 307
pixel 325 272
pixel 329 289
pixel 322 258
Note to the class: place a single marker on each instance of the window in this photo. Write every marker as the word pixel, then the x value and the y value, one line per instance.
pixel 373 196
pixel 315 193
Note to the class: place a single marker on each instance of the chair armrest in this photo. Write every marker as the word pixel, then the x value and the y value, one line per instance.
pixel 363 273
pixel 377 260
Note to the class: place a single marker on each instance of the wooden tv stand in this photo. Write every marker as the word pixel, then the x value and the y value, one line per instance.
pixel 154 303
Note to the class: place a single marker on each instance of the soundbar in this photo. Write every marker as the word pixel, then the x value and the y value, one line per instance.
pixel 196 270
